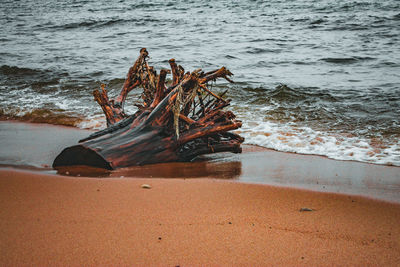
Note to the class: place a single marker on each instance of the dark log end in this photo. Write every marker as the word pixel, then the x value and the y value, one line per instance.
pixel 80 155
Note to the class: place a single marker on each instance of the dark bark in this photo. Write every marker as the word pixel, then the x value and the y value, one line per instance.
pixel 175 122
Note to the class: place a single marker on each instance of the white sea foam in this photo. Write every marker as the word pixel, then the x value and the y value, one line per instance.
pixel 304 140
pixel 95 122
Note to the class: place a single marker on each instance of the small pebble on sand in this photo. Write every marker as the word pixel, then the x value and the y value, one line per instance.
pixel 146 186
pixel 306 209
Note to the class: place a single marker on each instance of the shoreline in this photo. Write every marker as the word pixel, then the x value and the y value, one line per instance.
pixel 36 145
pixel 48 219
pixel 50 173
pixel 246 147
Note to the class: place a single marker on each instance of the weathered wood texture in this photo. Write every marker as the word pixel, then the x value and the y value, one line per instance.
pixel 174 122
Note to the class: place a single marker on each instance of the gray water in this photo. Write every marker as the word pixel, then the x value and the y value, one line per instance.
pixel 339 61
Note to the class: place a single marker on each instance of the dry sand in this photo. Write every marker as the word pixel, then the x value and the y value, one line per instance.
pixel 54 220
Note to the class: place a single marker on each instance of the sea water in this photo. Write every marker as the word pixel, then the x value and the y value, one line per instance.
pixel 311 76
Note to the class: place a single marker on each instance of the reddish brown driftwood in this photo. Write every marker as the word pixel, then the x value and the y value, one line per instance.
pixel 174 122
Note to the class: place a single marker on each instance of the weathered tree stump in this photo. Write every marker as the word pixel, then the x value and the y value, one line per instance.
pixel 174 122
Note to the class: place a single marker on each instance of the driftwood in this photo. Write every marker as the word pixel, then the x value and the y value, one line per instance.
pixel 176 121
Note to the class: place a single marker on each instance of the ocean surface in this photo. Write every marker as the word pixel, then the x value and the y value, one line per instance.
pixel 311 76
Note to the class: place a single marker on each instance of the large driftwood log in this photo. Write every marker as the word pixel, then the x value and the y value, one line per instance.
pixel 174 122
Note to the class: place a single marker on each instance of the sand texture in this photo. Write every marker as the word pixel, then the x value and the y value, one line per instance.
pixel 53 220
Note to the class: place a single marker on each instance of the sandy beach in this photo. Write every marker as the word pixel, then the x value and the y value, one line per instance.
pixel 53 220
pixel 250 209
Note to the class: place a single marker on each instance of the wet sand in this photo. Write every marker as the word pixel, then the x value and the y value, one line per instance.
pixel 34 146
pixel 219 217
pixel 53 220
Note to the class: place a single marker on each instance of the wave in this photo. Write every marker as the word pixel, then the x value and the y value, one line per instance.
pixel 91 23
pixel 95 23
pixel 346 60
pixel 318 21
pixel 43 116
pixel 347 6
pixel 256 50
pixel 13 70
pixel 285 94
pixel 15 77
pixel 305 140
